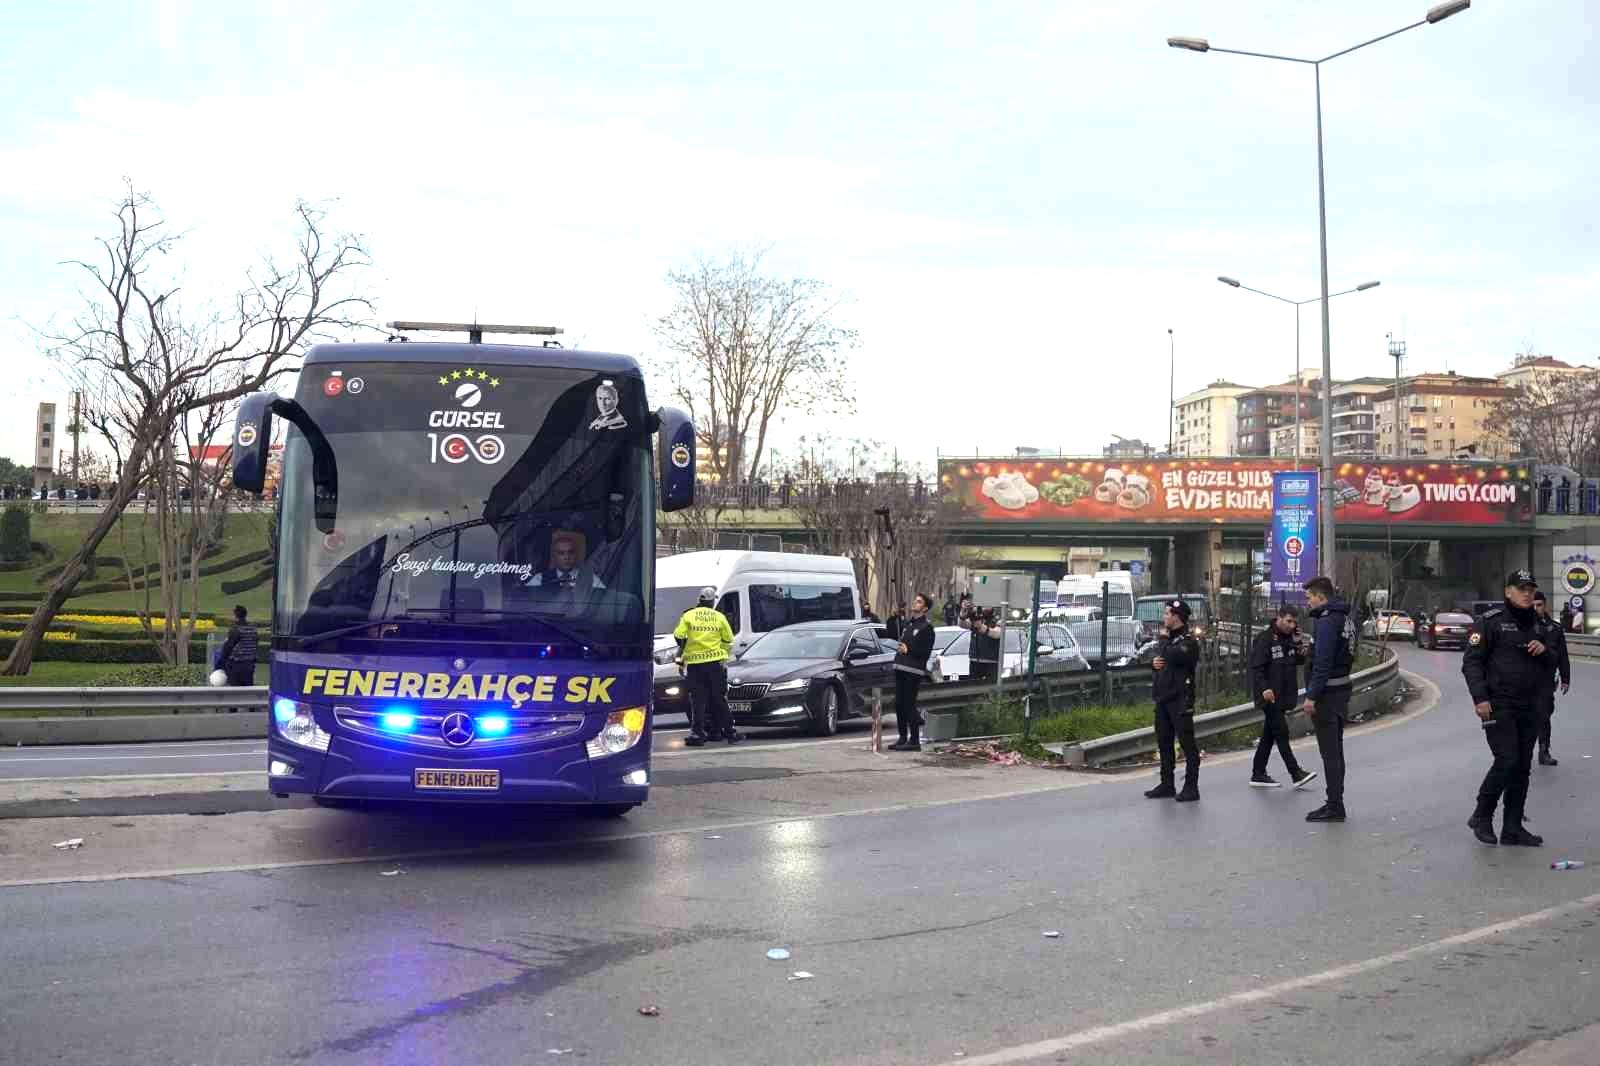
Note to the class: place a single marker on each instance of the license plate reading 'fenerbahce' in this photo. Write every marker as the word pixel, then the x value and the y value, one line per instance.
pixel 457 780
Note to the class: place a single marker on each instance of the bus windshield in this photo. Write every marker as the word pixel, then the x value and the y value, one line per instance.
pixel 515 503
pixel 1121 605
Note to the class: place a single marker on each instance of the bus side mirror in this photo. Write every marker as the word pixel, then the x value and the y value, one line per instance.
pixel 675 458
pixel 252 437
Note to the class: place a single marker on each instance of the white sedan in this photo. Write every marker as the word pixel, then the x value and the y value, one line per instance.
pixel 1390 625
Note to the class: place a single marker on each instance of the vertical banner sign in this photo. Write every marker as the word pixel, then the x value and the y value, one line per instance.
pixel 1292 538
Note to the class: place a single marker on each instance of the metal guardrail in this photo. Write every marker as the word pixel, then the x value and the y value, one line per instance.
pixel 173 700
pixel 1584 646
pixel 1052 691
pixel 1369 686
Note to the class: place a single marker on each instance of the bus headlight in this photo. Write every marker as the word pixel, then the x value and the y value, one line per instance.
pixel 296 724
pixel 621 732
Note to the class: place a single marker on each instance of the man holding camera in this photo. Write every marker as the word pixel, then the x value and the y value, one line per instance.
pixel 986 633
pixel 1276 655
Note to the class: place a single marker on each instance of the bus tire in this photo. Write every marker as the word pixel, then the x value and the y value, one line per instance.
pixel 825 716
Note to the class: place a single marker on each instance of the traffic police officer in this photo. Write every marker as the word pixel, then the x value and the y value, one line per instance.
pixel 1172 688
pixel 1556 641
pixel 1506 664
pixel 704 639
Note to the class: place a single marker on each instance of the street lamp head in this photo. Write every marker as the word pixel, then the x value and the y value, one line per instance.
pixel 1228 281
pixel 1200 44
pixel 1365 285
pixel 1440 12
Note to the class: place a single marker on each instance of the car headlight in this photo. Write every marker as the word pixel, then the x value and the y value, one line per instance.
pixel 1122 661
pixel 665 656
pixel 296 724
pixel 621 732
pixel 790 686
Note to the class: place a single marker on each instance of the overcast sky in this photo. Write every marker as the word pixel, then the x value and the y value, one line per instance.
pixel 1018 199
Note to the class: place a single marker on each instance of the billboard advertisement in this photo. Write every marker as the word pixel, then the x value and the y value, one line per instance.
pixel 1231 490
pixel 1292 535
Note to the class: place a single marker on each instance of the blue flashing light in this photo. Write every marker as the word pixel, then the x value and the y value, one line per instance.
pixel 283 709
pixel 493 725
pixel 399 721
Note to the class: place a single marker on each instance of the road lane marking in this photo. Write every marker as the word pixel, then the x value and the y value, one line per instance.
pixel 1105 1033
pixel 134 777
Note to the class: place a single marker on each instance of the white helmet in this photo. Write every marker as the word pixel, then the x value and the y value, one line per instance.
pixel 708 595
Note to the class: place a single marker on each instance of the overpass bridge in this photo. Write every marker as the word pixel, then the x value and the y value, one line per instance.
pixel 1460 525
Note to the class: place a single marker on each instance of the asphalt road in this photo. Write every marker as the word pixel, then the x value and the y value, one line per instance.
pixel 1228 931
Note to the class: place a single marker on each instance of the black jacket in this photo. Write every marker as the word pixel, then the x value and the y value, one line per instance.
pixel 1556 640
pixel 895 625
pixel 239 649
pixel 1176 682
pixel 1333 648
pixel 918 639
pixel 1275 661
pixel 1497 665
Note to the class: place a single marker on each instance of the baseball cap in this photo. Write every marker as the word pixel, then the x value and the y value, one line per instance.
pixel 1179 608
pixel 1538 597
pixel 708 594
pixel 1520 578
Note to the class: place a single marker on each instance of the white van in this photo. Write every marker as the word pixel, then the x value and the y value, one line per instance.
pixel 1085 590
pixel 757 591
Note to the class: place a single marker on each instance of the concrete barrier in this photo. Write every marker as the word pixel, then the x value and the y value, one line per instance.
pixel 133 728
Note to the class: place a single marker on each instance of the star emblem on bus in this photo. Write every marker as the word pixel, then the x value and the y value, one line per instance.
pixel 468 373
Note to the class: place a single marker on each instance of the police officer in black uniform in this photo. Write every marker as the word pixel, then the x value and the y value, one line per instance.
pixel 1172 688
pixel 1506 665
pixel 1555 639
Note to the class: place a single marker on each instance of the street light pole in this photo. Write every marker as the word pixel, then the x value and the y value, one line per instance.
pixel 1437 13
pixel 1172 380
pixel 1327 412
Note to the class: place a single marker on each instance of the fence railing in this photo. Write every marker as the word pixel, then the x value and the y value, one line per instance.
pixel 154 700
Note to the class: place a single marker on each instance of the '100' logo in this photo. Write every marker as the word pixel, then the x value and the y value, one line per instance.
pixel 458 448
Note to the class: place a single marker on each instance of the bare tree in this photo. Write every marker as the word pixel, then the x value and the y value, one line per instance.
pixel 745 345
pixel 1553 414
pixel 154 363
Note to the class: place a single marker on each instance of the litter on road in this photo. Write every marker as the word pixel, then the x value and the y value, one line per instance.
pixel 651 1011
pixel 1052 934
pixel 389 873
pixel 778 954
pixel 1567 864
pixel 69 845
pixel 801 975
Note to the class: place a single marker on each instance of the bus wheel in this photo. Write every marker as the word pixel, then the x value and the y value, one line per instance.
pixel 612 810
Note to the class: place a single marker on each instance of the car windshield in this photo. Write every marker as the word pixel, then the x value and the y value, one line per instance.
pixel 797 644
pixel 944 636
pixel 1448 619
pixel 1149 610
pixel 671 603
pixel 495 497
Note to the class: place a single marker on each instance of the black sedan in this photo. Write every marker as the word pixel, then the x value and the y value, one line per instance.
pixel 1447 629
pixel 811 674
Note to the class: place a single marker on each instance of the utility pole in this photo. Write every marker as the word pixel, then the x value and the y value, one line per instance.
pixel 1172 379
pixel 1397 350
pixel 77 427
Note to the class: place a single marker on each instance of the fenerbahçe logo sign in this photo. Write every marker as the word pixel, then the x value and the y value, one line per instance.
pixel 1578 574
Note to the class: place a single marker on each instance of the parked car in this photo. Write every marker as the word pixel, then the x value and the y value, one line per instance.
pixel 954 663
pixel 812 674
pixel 1390 625
pixel 1064 647
pixel 1124 637
pixel 1447 629
pixel 1149 609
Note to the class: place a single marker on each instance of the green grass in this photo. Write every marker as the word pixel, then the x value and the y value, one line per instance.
pixel 65 532
pixel 70 674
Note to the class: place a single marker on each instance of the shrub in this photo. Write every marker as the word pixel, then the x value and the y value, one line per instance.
pixel 152 675
pixel 231 588
pixel 16 528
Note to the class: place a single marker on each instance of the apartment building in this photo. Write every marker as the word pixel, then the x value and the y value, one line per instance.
pixel 1261 412
pixel 1310 440
pixel 1441 416
pixel 1208 420
pixel 1355 418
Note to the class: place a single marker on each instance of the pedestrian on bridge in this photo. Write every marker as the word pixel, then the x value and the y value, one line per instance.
pixel 1561 667
pixel 1172 688
pixel 1328 688
pixel 1506 666
pixel 1276 655
pixel 704 639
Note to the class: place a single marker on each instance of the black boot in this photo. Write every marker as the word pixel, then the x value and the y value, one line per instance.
pixel 1513 833
pixel 694 740
pixel 1546 759
pixel 1161 791
pixel 1328 812
pixel 1482 826
pixel 1190 793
